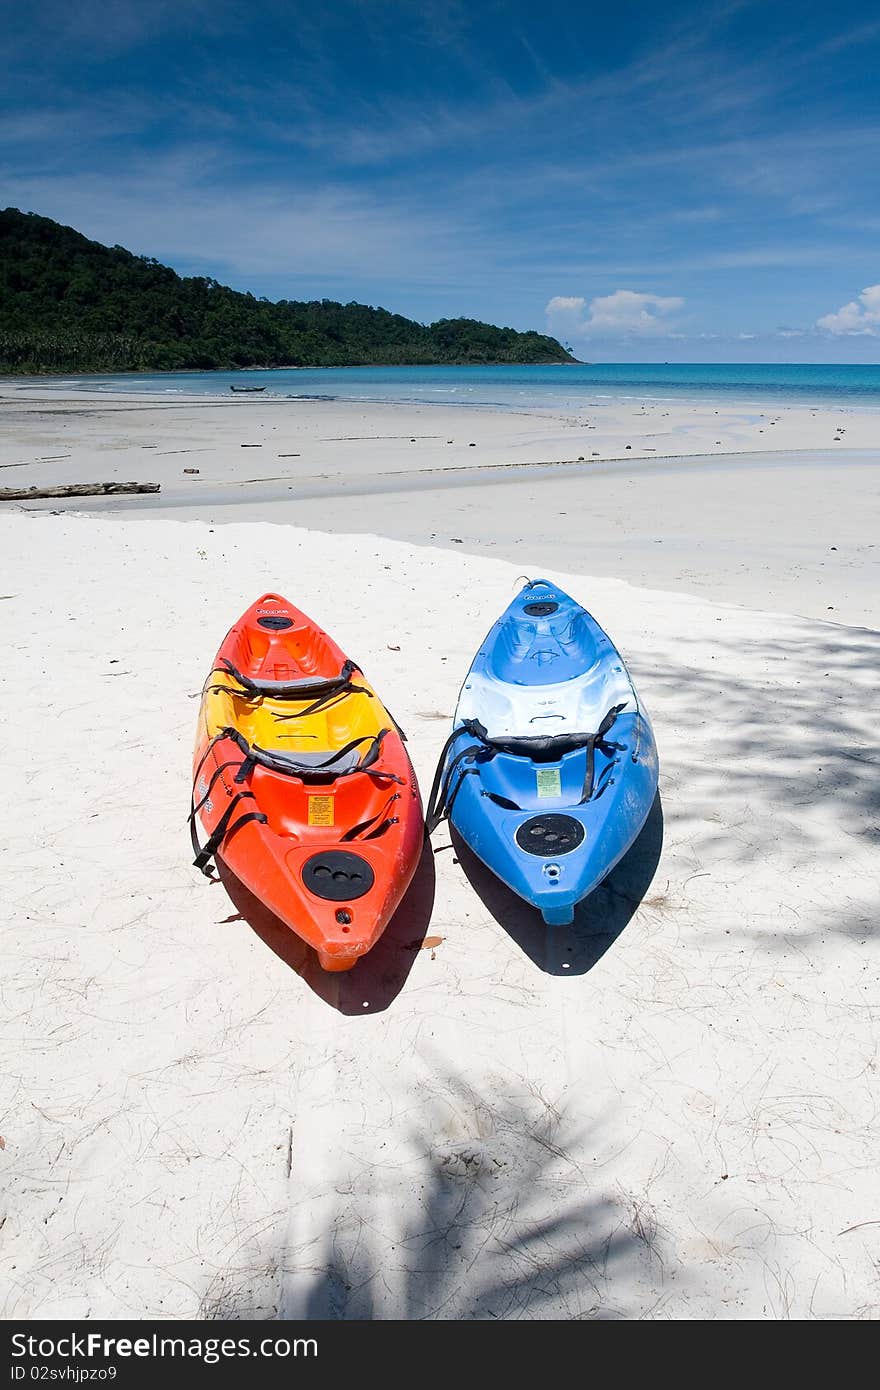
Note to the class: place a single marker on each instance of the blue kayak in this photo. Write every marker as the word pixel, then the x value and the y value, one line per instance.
pixel 551 768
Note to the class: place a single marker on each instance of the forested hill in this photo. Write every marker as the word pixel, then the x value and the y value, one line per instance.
pixel 68 304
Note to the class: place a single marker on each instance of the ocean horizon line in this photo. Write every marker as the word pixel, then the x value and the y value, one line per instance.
pixel 512 386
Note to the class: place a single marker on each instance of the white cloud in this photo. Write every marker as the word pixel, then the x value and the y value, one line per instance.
pixel 860 316
pixel 625 312
pixel 561 305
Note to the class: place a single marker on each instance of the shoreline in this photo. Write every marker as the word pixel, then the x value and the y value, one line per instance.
pixel 596 395
pixel 765 509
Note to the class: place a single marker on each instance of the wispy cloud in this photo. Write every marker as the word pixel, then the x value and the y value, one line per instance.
pixel 307 240
pixel 856 37
pixel 431 154
pixel 92 30
pixel 769 257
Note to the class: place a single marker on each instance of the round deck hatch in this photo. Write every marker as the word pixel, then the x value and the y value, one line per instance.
pixel 337 876
pixel 275 622
pixel 540 610
pixel 548 836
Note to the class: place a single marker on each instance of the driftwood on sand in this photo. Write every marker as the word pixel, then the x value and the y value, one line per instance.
pixel 27 494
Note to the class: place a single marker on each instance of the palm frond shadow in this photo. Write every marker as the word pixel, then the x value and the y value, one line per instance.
pixel 374 983
pixel 598 920
pixel 493 1208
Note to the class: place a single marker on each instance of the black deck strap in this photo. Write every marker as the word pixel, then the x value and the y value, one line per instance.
pixel 327 692
pixel 204 853
pixel 603 786
pixel 544 747
pixel 475 729
pixel 548 747
pixel 223 829
pixel 218 771
pixel 236 738
pixel 245 768
pixel 243 820
pixel 439 800
pixel 217 687
pixel 450 800
pixel 254 756
pixel 433 809
pixel 609 719
pixel 434 799
pixel 194 838
pixel 589 771
pixel 372 754
pixel 549 744
pixel 367 760
pixel 598 740
pixel 503 801
pixel 403 737
pixel 363 825
pixel 380 829
pixel 203 759
pixel 290 690
pixel 605 775
pixel 193 808
pixel 328 698
pixel 327 701
pixel 201 859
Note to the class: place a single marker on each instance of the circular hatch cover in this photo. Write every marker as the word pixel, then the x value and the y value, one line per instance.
pixel 275 622
pixel 540 610
pixel 337 876
pixel 550 835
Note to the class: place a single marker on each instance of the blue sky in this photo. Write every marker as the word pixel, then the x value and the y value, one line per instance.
pixel 649 181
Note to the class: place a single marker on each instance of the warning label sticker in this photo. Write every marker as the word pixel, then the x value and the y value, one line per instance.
pixel 549 782
pixel 320 810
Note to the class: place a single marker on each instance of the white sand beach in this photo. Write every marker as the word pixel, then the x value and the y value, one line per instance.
pixel 721 506
pixel 665 1111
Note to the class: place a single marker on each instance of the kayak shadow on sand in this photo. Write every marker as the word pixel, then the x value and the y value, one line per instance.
pixel 379 976
pixel 598 920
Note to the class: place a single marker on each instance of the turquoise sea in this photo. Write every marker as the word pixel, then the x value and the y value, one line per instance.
pixel 550 387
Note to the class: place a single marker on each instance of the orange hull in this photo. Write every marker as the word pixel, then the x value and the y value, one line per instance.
pixel 328 846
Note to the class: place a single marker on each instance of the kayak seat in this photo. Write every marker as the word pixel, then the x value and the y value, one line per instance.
pixel 548 749
pixel 335 762
pixel 286 689
pixel 358 755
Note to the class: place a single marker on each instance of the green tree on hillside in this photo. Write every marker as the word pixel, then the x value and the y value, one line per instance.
pixel 68 304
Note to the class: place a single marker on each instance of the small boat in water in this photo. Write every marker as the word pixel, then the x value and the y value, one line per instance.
pixel 246 390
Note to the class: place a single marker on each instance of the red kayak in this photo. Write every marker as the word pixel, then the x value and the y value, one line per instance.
pixel 303 783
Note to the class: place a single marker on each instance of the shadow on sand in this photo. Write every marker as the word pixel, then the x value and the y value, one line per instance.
pixel 598 920
pixel 487 1204
pixel 379 976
